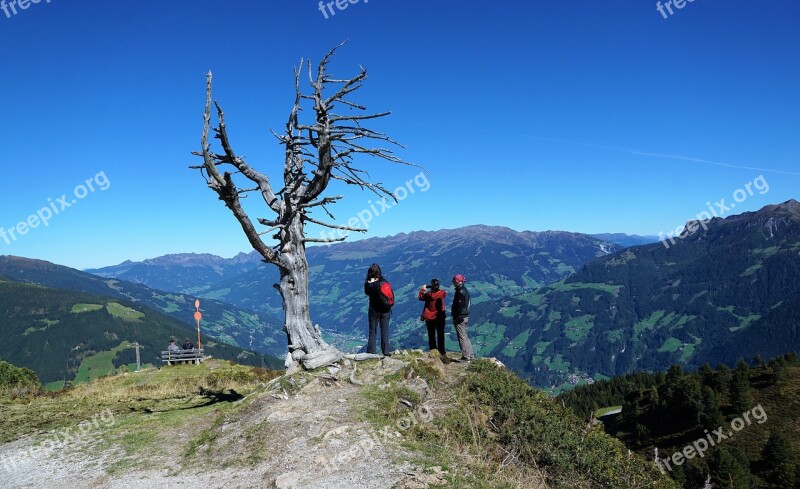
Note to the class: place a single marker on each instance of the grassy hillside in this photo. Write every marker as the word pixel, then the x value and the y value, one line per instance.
pixel 61 334
pixel 234 326
pixel 452 425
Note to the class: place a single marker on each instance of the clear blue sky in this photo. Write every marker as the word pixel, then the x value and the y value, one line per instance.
pixel 529 114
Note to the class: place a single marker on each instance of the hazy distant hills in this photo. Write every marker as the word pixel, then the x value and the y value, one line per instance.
pixel 626 240
pixel 187 273
pixel 729 291
pixel 61 334
pixel 497 262
pixel 246 329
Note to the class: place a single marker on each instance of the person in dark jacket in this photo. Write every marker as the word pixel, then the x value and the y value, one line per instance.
pixel 433 314
pixel 460 313
pixel 187 345
pixel 378 311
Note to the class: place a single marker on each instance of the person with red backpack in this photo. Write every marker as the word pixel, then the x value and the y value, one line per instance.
pixel 434 314
pixel 381 300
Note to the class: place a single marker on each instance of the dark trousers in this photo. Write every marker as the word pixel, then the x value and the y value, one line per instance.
pixel 436 334
pixel 374 318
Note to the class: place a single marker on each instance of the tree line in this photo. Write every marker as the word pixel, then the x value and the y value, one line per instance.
pixel 669 410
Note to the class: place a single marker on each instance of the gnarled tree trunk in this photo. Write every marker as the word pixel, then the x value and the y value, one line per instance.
pixel 305 342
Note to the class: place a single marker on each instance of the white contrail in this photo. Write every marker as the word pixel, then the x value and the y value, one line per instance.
pixel 647 154
pixel 709 162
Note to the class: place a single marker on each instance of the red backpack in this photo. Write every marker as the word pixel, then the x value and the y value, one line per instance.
pixel 386 295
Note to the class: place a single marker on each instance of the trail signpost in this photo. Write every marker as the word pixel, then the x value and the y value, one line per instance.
pixel 197 317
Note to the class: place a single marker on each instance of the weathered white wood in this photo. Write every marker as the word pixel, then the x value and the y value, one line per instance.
pixel 321 358
pixel 353 376
pixel 360 357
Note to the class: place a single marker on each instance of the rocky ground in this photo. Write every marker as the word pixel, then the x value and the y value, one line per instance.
pixel 304 431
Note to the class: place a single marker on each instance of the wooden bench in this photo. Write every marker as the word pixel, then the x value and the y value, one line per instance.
pixel 182 356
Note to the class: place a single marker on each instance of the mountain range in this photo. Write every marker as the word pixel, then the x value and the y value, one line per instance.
pixel 497 261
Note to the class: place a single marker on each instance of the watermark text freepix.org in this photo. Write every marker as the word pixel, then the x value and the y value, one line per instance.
pixel 667 6
pixel 54 208
pixel 699 446
pixel 61 439
pixel 374 209
pixel 719 209
pixel 327 6
pixel 10 7
pixel 368 440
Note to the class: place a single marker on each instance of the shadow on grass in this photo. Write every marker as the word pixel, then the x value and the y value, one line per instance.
pixel 211 397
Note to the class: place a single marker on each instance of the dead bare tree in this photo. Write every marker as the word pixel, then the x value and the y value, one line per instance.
pixel 315 154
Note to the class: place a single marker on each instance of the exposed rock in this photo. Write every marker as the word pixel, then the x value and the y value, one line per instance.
pixel 435 361
pixel 336 431
pixel 288 480
pixel 497 362
pixel 418 386
pixel 420 479
pixel 391 366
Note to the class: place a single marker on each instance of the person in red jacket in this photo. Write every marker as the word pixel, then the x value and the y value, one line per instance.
pixel 433 314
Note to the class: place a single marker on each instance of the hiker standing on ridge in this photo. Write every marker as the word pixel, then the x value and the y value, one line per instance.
pixel 460 313
pixel 381 300
pixel 433 314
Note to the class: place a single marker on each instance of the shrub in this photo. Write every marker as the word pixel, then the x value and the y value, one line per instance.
pixel 17 381
pixel 494 404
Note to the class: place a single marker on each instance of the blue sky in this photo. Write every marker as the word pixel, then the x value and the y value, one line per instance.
pixel 586 116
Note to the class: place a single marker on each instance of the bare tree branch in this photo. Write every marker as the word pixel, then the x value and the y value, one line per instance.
pixel 324 240
pixel 323 202
pixel 256 177
pixel 227 191
pixel 335 226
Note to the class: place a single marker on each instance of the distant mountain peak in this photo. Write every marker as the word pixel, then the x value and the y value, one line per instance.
pixel 771 217
pixel 20 261
pixel 791 207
